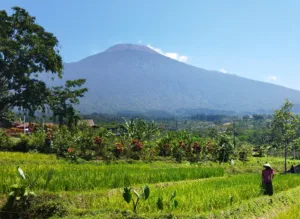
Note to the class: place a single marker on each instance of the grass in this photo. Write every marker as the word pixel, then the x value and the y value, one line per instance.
pixel 291 213
pixel 194 196
pixel 93 176
pixel 95 189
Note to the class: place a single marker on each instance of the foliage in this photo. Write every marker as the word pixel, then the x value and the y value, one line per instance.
pixel 26 50
pixel 245 151
pixel 284 127
pixel 18 197
pixel 6 143
pixel 171 204
pixel 139 129
pixel 46 206
pixel 95 175
pixel 225 148
pixel 127 195
pixel 87 187
pixel 6 116
pixel 62 100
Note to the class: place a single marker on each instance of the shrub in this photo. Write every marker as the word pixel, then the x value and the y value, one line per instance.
pixel 23 144
pixel 244 151
pixel 37 141
pixel 6 142
pixel 46 206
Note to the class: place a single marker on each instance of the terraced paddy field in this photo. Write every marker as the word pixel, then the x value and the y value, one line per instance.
pixel 203 190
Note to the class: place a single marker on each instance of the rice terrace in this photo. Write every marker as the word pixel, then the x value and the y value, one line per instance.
pixel 135 132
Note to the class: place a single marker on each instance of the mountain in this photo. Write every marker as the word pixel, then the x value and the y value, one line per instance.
pixel 129 78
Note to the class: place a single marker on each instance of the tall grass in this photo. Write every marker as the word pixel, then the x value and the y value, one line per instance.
pixel 194 197
pixel 73 177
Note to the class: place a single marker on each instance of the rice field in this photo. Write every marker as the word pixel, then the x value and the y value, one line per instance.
pixel 89 187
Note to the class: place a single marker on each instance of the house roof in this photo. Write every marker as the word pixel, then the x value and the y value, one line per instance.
pixel 89 122
pixel 26 124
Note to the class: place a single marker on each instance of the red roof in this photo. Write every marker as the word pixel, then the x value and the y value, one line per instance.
pixel 26 124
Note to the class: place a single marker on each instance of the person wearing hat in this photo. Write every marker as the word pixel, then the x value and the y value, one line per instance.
pixel 267 177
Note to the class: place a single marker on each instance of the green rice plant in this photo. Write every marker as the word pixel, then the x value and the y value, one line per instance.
pixel 171 204
pixel 84 177
pixel 197 196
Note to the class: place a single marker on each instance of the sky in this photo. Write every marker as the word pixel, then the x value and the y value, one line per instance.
pixel 255 39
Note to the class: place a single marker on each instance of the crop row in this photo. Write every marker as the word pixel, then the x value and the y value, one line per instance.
pixel 72 177
pixel 194 197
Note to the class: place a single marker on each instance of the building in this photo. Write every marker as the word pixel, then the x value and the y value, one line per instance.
pixel 88 122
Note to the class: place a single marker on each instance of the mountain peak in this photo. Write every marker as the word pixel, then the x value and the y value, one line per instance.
pixel 124 47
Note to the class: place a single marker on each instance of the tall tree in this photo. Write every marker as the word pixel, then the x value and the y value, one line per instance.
pixel 284 127
pixel 63 99
pixel 26 50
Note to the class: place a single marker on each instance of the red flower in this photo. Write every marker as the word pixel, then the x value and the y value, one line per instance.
pixel 137 145
pixel 135 141
pixel 181 144
pixel 49 136
pixel 196 147
pixel 98 140
pixel 71 150
pixel 119 147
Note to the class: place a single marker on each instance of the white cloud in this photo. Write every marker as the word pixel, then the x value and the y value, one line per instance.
pixel 95 51
pixel 172 55
pixel 223 70
pixel 183 58
pixel 272 78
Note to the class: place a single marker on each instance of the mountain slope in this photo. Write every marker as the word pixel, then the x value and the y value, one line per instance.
pixel 135 78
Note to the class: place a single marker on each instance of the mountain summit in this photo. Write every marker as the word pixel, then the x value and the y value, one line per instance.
pixel 135 78
pixel 126 47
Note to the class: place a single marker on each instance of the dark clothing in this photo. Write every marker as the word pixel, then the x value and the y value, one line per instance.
pixel 268 188
pixel 267 177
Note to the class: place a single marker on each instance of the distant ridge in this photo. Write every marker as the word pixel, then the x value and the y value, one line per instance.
pixel 135 78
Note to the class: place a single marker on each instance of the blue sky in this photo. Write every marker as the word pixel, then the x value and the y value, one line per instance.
pixel 254 39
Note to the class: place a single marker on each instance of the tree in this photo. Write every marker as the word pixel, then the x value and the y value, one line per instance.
pixel 139 129
pixel 26 50
pixel 62 101
pixel 284 127
pixel 226 148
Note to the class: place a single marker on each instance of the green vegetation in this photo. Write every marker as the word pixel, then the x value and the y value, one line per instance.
pixel 93 176
pixel 96 189
pixel 204 169
pixel 291 213
pixel 26 52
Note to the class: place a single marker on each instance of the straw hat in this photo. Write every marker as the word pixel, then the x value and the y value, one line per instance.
pixel 267 165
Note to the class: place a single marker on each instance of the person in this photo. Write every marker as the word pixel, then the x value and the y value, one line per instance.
pixel 267 178
pixel 292 169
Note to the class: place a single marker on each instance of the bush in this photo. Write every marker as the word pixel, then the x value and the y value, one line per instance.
pixel 46 206
pixel 6 142
pixel 37 141
pixel 244 151
pixel 40 206
pixel 23 144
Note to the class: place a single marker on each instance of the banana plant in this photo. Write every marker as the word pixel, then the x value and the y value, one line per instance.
pixel 128 197
pixel 139 129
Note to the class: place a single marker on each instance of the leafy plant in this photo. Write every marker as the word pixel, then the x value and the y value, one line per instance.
pixel 128 197
pixel 171 204
pixel 18 197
